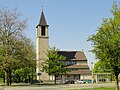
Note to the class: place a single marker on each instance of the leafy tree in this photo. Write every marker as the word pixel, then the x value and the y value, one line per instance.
pixel 99 67
pixel 25 74
pixel 53 64
pixel 106 42
pixel 15 49
pixel 26 54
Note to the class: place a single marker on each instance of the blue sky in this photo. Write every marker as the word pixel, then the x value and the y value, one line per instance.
pixel 70 21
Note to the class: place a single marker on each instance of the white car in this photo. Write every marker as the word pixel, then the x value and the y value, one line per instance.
pixel 81 81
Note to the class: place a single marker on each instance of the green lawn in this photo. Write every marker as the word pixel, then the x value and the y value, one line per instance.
pixel 100 88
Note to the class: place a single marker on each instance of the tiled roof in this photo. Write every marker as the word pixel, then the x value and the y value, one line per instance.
pixel 85 72
pixel 73 55
pixel 78 66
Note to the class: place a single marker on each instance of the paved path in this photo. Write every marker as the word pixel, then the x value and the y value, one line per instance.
pixel 57 87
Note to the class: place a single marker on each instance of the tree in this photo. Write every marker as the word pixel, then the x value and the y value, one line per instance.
pixel 25 53
pixel 99 67
pixel 25 74
pixel 53 64
pixel 106 42
pixel 15 49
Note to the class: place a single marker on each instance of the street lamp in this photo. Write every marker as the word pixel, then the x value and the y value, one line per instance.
pixel 92 71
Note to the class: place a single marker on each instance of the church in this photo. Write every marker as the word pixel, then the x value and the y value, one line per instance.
pixel 76 61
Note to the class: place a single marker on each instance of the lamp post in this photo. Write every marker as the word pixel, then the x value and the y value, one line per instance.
pixel 92 71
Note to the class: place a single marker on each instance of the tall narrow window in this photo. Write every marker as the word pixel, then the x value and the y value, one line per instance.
pixel 43 31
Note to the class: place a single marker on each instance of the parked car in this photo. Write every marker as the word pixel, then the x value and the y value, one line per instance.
pixel 89 81
pixel 81 81
pixel 72 82
pixel 102 80
pixel 68 82
pixel 36 81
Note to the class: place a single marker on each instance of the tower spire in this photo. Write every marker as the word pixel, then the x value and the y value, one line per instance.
pixel 42 21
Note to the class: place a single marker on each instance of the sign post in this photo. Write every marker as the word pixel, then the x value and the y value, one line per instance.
pixel 39 74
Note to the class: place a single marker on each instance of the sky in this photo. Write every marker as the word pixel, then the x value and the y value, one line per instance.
pixel 70 22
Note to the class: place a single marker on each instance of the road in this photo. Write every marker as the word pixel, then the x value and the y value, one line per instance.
pixel 57 87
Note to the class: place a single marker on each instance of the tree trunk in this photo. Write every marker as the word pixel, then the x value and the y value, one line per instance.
pixel 7 79
pixel 4 78
pixel 19 78
pixel 55 79
pixel 7 76
pixel 29 80
pixel 117 82
pixel 32 75
pixel 10 76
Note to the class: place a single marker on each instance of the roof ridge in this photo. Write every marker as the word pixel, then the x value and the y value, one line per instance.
pixel 69 51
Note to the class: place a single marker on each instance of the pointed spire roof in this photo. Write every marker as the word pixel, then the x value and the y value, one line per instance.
pixel 42 21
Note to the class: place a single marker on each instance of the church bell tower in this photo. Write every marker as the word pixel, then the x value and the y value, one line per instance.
pixel 42 43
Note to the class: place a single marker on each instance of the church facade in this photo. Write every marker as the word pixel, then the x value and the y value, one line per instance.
pixel 76 61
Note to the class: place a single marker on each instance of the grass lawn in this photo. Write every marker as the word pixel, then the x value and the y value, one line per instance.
pixel 100 88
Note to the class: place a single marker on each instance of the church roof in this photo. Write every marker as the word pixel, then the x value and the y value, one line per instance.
pixel 75 72
pixel 73 55
pixel 78 66
pixel 42 21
